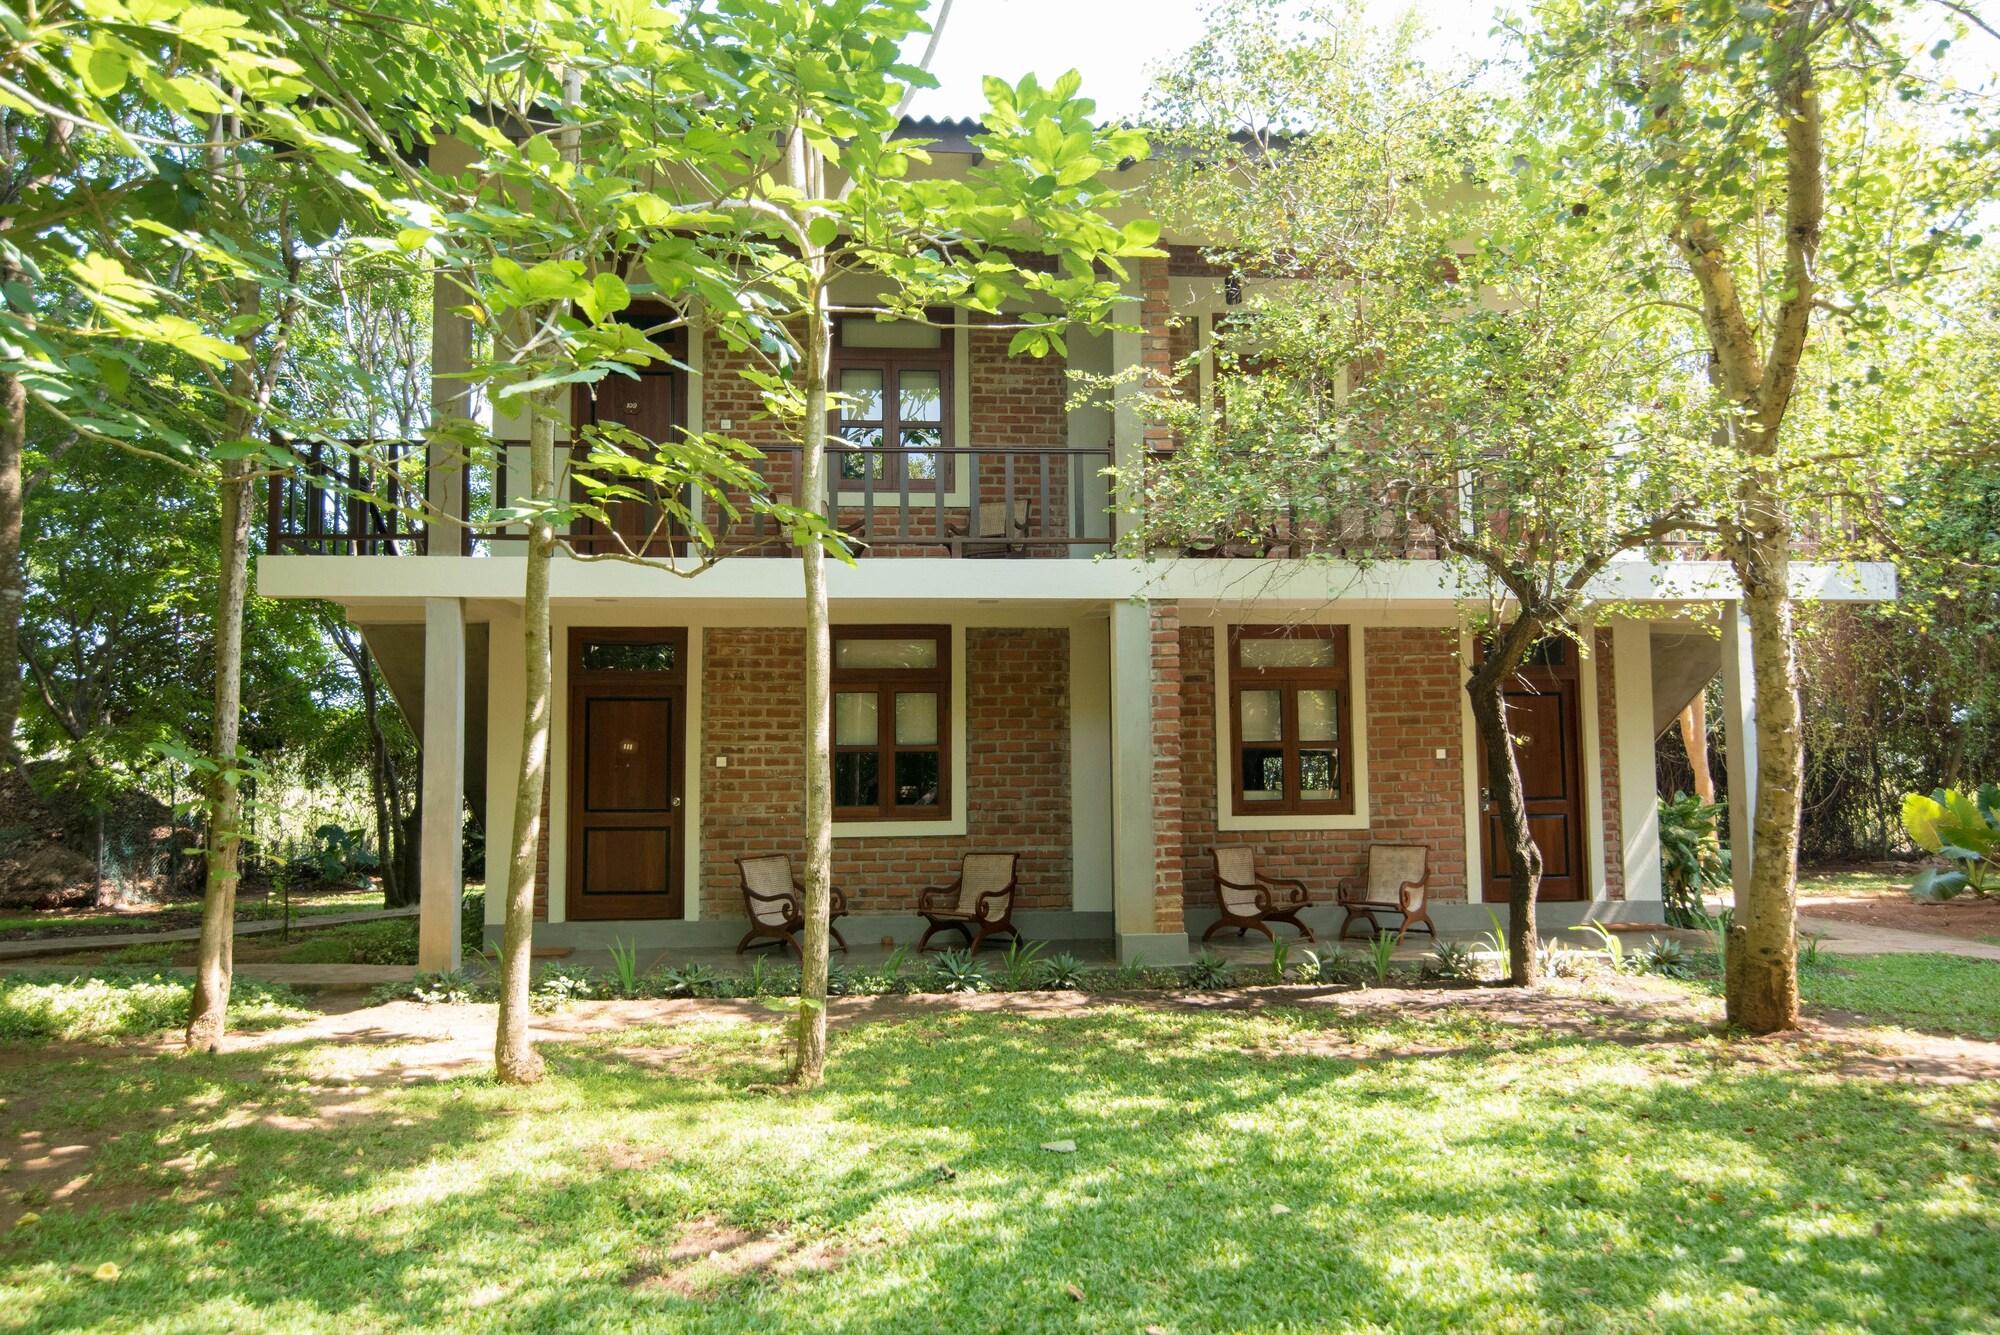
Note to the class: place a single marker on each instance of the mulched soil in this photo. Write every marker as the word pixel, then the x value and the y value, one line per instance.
pixel 1887 903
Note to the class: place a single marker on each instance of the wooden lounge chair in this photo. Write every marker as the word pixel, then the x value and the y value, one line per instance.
pixel 1249 899
pixel 776 903
pixel 1001 529
pixel 979 904
pixel 1398 881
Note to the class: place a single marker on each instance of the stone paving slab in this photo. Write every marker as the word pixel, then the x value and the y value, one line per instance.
pixel 1856 938
pixel 65 945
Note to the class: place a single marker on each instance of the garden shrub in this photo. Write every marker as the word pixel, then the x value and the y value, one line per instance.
pixel 108 1004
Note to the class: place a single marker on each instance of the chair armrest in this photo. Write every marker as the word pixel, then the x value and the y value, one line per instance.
pixel 1299 893
pixel 979 906
pixel 930 893
pixel 791 902
pixel 1409 890
pixel 839 900
pixel 1346 891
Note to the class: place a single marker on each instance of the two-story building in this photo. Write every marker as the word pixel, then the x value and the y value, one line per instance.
pixel 1002 681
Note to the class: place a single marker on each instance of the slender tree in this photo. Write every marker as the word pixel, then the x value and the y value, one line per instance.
pixel 1702 143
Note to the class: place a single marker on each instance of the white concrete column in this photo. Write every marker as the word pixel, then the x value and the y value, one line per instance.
pixel 1638 788
pixel 1133 851
pixel 440 875
pixel 1128 425
pixel 1739 739
pixel 1090 786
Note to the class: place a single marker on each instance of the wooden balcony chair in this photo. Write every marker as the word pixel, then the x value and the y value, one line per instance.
pixel 776 903
pixel 992 529
pixel 1398 881
pixel 1247 898
pixel 979 904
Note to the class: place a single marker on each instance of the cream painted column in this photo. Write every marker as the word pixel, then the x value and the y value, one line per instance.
pixel 1638 788
pixel 506 706
pixel 1133 853
pixel 1739 739
pixel 1090 786
pixel 440 871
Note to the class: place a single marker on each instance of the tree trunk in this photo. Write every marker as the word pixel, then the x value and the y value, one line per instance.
pixel 13 593
pixel 1487 689
pixel 809 1061
pixel 1761 968
pixel 1694 736
pixel 378 781
pixel 97 898
pixel 225 802
pixel 515 1060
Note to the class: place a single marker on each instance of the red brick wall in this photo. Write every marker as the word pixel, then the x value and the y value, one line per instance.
pixel 1607 766
pixel 1169 767
pixel 1017 770
pixel 1413 712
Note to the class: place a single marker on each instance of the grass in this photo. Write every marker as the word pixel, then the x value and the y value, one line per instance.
pixel 1940 993
pixel 387 941
pixel 104 1005
pixel 144 919
pixel 1277 1170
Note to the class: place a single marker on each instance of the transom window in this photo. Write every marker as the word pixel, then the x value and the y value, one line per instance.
pixel 894 406
pixel 1290 720
pixel 891 717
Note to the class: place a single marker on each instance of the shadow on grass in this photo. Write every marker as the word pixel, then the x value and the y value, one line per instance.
pixel 1220 1181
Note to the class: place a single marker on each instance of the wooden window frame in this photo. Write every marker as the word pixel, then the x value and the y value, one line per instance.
pixel 1288 682
pixel 885 683
pixel 891 362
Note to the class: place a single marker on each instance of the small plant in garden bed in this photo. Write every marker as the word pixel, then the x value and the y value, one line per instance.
pixel 1063 973
pixel 432 989
pixel 625 968
pixel 1020 966
pixel 389 941
pixel 1667 958
pixel 1209 972
pixel 1614 948
pixel 1381 950
pixel 560 983
pixel 1453 961
pixel 685 980
pixel 1692 858
pixel 955 971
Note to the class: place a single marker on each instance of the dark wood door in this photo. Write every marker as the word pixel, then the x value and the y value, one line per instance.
pixel 626 822
pixel 653 406
pixel 1543 718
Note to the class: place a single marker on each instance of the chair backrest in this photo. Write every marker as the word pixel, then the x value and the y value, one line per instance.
pixel 986 874
pixel 771 877
pixel 1003 519
pixel 1236 878
pixel 1393 866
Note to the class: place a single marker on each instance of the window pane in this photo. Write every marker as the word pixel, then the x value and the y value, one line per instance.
pixel 628 656
pixel 1300 653
pixel 1261 719
pixel 920 396
pixel 1318 717
pixel 916 778
pixel 1263 775
pixel 859 653
pixel 854 714
pixel 923 467
pixel 916 718
pixel 854 776
pixel 861 392
pixel 1319 777
pixel 855 451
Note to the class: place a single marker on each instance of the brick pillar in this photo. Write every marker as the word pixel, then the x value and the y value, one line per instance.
pixel 1156 347
pixel 1169 826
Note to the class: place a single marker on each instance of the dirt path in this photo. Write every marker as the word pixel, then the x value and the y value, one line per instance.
pixel 1844 937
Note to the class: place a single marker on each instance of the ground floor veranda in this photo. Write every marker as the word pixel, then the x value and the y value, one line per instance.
pixel 1111 745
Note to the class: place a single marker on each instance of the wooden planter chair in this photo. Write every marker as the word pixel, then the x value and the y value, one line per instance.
pixel 992 529
pixel 1398 881
pixel 979 904
pixel 1249 899
pixel 776 903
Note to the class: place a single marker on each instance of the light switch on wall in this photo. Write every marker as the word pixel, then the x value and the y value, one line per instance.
pixel 722 762
pixel 1440 753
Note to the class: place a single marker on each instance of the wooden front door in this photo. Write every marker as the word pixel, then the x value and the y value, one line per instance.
pixel 628 690
pixel 654 405
pixel 1543 717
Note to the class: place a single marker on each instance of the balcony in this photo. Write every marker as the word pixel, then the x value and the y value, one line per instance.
pixel 978 501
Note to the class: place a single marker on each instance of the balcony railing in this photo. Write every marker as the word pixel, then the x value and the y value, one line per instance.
pixel 957 501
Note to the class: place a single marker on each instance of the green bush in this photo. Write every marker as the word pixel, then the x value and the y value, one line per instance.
pixel 472 919
pixel 1692 858
pixel 433 989
pixel 107 1004
pixel 1964 830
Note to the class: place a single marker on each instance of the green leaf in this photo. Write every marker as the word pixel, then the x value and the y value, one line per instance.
pixel 823 230
pixel 102 68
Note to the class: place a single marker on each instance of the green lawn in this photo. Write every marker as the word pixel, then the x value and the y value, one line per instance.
pixel 1288 1170
pixel 152 918
pixel 1938 993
